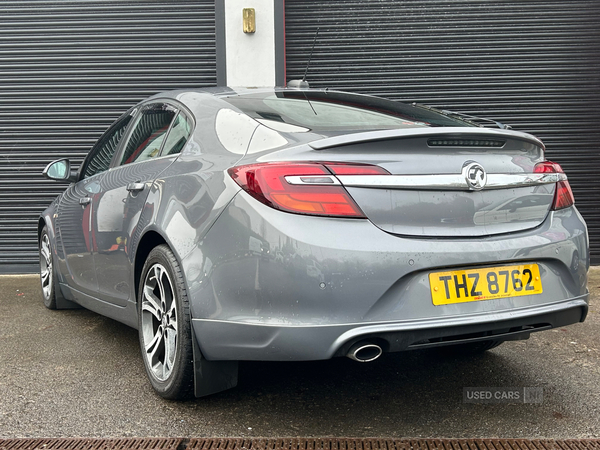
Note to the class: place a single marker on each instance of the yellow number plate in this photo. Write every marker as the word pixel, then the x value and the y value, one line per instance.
pixel 459 286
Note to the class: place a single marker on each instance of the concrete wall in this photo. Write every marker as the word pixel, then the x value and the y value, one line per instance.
pixel 250 59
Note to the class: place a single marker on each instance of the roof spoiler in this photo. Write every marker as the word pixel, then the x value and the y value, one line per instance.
pixel 446 132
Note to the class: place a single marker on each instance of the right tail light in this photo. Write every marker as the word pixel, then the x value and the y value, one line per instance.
pixel 563 198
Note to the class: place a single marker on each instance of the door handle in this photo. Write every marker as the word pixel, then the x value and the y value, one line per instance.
pixel 85 201
pixel 136 187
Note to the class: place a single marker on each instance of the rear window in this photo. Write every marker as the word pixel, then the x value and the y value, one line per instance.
pixel 298 111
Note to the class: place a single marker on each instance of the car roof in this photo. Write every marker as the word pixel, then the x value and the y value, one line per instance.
pixel 223 91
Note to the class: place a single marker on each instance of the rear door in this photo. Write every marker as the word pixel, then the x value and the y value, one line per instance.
pixel 157 136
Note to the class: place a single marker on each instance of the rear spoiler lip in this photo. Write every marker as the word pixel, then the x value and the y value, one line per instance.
pixel 455 132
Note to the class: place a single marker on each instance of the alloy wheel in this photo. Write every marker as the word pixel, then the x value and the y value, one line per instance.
pixel 46 274
pixel 159 322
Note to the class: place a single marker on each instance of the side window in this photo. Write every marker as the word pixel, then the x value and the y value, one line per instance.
pixel 178 136
pixel 103 151
pixel 149 133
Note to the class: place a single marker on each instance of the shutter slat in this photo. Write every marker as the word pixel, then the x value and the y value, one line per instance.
pixel 533 65
pixel 68 69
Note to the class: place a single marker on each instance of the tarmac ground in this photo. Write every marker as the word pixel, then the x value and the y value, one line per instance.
pixel 294 444
pixel 77 374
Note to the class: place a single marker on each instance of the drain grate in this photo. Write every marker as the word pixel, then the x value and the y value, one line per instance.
pixel 393 444
pixel 92 444
pixel 298 444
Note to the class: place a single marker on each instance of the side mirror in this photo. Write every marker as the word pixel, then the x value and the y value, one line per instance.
pixel 59 170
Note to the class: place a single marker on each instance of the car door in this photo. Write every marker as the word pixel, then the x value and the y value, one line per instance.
pixel 152 145
pixel 75 210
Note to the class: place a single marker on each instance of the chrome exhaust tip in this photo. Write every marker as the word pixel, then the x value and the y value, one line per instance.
pixel 364 352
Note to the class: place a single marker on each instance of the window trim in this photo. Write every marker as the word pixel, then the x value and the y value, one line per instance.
pixel 133 112
pixel 179 108
pixel 192 127
pixel 116 161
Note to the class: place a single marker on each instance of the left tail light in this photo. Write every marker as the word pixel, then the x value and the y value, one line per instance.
pixel 303 188
pixel 563 198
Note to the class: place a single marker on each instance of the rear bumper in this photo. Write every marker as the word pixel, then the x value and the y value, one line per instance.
pixel 230 340
pixel 266 285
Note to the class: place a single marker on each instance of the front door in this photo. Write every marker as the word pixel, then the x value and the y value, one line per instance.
pixel 74 224
pixel 76 209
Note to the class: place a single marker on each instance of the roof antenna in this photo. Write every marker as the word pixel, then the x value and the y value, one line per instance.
pixel 303 84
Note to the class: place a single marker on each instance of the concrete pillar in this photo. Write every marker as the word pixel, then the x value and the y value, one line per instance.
pixel 250 59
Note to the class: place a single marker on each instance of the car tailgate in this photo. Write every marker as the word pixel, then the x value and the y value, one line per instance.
pixel 446 182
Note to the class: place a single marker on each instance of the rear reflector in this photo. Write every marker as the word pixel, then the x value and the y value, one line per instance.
pixel 268 184
pixel 563 198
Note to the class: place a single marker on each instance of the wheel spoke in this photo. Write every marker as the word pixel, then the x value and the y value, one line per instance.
pixel 159 281
pixel 45 250
pixel 170 343
pixel 153 345
pixel 151 303
pixel 172 314
pixel 158 369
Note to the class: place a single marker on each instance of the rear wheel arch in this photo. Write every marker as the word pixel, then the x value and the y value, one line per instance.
pixel 149 242
pixel 41 225
pixel 209 377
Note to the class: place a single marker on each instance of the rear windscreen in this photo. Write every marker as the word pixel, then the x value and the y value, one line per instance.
pixel 330 111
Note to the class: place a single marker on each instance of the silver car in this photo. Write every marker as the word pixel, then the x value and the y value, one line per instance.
pixel 304 224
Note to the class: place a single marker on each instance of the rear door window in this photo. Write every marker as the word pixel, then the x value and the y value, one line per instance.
pixel 149 133
pixel 178 135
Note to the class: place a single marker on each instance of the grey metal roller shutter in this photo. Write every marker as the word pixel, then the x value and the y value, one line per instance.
pixel 532 64
pixel 67 70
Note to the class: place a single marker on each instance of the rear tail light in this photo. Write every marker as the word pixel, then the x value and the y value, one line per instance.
pixel 303 188
pixel 563 198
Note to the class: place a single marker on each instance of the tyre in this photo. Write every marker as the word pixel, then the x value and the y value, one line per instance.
pixel 165 327
pixel 47 270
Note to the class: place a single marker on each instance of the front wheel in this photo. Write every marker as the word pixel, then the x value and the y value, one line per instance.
pixel 164 326
pixel 47 270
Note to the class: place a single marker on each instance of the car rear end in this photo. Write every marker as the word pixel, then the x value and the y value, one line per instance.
pixel 391 239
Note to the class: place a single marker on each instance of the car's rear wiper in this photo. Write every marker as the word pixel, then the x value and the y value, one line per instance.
pixel 474 120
